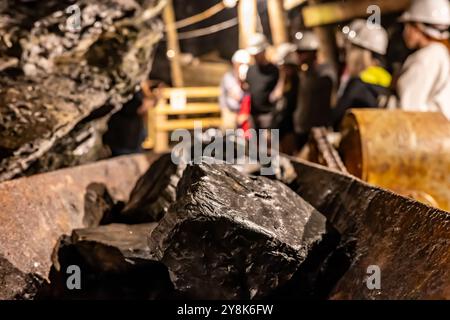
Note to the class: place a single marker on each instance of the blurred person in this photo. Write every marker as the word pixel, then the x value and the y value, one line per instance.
pixel 126 127
pixel 285 95
pixel 244 117
pixel 262 78
pixel 424 81
pixel 317 81
pixel 231 92
pixel 368 80
pixel 347 33
pixel 152 94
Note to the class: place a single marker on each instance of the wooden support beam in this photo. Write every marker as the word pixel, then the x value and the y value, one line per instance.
pixel 334 12
pixel 173 46
pixel 291 4
pixel 248 12
pixel 328 48
pixel 277 21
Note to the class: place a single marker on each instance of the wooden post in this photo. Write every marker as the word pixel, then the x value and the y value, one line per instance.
pixel 173 47
pixel 247 11
pixel 328 47
pixel 317 14
pixel 291 4
pixel 277 20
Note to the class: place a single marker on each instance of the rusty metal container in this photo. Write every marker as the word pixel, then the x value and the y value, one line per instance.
pixel 406 152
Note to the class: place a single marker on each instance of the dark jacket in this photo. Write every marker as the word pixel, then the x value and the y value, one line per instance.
pixel 126 129
pixel 286 123
pixel 314 98
pixel 362 92
pixel 261 80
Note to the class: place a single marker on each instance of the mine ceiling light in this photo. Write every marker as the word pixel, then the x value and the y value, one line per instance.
pixel 170 54
pixel 230 3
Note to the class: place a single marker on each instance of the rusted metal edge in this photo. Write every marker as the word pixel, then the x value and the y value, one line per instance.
pixel 407 240
pixel 37 210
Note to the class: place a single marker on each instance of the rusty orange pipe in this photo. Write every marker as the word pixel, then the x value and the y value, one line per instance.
pixel 407 152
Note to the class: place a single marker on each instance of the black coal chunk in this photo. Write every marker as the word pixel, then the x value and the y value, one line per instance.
pixel 114 263
pixel 98 204
pixel 154 192
pixel 233 236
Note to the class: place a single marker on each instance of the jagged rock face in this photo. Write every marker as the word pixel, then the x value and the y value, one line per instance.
pixel 61 76
pixel 233 236
pixel 83 144
pixel 15 284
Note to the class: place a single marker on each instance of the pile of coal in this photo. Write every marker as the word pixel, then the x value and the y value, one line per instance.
pixel 223 234
pixel 233 236
pixel 156 189
pixel 199 231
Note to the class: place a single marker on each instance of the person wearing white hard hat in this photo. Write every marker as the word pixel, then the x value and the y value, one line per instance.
pixel 369 81
pixel 257 44
pixel 424 81
pixel 262 78
pixel 286 60
pixel 316 84
pixel 348 32
pixel 353 28
pixel 285 54
pixel 231 92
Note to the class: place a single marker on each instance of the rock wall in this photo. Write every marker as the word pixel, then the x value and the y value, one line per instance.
pixel 60 81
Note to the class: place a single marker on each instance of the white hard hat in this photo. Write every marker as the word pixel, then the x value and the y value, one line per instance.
pixel 353 28
pixel 284 53
pixel 241 56
pixel 372 37
pixel 257 44
pixel 434 32
pixel 435 12
pixel 307 41
pixel 230 3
